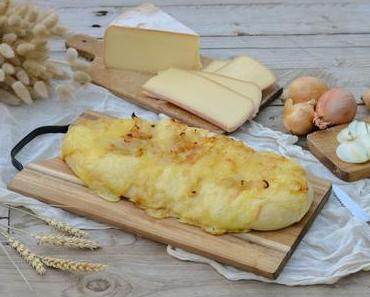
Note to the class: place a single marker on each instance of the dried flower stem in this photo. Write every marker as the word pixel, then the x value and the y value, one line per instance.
pixel 74 266
pixel 67 241
pixel 33 260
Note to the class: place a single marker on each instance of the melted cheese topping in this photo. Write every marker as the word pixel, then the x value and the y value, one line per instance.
pixel 172 170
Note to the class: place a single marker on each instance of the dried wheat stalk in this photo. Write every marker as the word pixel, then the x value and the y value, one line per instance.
pixel 67 241
pixel 58 225
pixel 33 260
pixel 63 227
pixel 74 266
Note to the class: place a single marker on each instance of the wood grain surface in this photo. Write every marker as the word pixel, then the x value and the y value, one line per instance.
pixel 127 84
pixel 264 253
pixel 329 39
pixel 323 145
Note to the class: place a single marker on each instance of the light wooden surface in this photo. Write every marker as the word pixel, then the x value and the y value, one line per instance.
pixel 329 38
pixel 323 145
pixel 264 253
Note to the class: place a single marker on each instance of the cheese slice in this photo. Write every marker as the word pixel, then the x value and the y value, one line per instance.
pixel 147 39
pixel 201 96
pixel 247 69
pixel 215 65
pixel 249 90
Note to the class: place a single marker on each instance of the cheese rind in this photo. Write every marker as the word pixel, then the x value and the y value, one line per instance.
pixel 149 17
pixel 248 69
pixel 249 90
pixel 215 65
pixel 201 96
pixel 147 39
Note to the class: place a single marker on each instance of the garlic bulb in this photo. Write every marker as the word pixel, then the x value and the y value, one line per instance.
pixel 354 143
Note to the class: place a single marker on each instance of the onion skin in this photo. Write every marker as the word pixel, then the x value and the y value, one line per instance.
pixel 298 118
pixel 366 99
pixel 306 88
pixel 336 106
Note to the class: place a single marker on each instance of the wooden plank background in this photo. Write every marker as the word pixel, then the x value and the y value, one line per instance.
pixel 328 38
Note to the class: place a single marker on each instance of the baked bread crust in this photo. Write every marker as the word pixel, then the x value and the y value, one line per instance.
pixel 172 170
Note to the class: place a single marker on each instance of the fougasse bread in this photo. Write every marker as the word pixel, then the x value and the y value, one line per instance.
pixel 172 170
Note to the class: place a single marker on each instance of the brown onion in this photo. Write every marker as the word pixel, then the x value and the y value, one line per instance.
pixel 306 88
pixel 336 106
pixel 298 118
pixel 366 99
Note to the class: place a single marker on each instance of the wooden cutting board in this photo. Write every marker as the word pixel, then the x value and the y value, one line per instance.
pixel 323 145
pixel 127 84
pixel 263 253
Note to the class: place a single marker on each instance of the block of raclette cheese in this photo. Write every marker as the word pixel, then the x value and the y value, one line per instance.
pixel 147 39
pixel 250 90
pixel 215 65
pixel 248 69
pixel 201 96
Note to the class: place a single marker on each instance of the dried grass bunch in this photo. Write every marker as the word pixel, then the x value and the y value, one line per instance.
pixel 25 67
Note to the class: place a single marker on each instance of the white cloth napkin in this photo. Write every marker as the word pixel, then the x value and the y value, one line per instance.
pixel 336 245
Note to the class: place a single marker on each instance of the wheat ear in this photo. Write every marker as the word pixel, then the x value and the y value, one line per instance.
pixel 75 266
pixel 63 227
pixel 67 241
pixel 16 266
pixel 33 260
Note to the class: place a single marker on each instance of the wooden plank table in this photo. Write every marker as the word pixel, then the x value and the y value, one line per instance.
pixel 328 38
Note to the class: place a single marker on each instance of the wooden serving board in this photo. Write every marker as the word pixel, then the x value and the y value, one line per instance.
pixel 127 84
pixel 323 145
pixel 264 253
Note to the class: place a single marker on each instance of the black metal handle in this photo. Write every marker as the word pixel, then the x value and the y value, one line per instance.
pixel 29 137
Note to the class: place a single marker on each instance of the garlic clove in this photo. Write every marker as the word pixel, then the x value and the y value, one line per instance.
pixel 345 135
pixel 364 140
pixel 358 128
pixel 352 152
pixel 354 129
pixel 352 125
